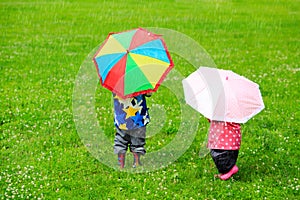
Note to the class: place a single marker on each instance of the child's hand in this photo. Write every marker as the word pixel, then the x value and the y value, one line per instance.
pixel 149 94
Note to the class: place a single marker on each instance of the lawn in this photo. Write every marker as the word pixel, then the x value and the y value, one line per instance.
pixel 45 51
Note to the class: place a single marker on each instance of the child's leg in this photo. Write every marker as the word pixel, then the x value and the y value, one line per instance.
pixel 224 159
pixel 121 142
pixel 138 140
pixel 137 144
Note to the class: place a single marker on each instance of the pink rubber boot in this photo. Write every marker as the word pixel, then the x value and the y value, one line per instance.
pixel 226 176
pixel 121 160
pixel 136 160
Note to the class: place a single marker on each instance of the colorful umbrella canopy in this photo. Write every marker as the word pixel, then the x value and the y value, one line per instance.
pixel 222 95
pixel 132 62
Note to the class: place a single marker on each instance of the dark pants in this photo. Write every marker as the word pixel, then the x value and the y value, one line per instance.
pixel 134 139
pixel 224 159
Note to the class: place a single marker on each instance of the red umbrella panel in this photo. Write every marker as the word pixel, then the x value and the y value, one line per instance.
pixel 132 62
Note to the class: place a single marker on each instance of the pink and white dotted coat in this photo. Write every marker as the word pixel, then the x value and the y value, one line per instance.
pixel 224 135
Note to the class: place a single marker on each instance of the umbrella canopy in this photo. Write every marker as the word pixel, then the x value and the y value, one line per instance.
pixel 132 62
pixel 222 95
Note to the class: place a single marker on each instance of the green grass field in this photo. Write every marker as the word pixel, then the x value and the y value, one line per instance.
pixel 43 45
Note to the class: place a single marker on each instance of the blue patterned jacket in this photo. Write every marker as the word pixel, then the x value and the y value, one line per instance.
pixel 130 113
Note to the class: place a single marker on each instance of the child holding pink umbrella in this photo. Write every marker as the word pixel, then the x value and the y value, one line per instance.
pixel 227 100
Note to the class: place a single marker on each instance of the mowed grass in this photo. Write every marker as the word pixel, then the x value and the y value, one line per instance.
pixel 43 44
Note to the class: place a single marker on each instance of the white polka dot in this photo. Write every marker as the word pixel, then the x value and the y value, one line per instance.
pixel 230 139
pixel 226 144
pixel 226 135
pixel 237 139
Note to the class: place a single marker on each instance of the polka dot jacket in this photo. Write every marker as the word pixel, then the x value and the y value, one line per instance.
pixel 224 135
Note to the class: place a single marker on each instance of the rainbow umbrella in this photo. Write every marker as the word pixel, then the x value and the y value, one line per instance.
pixel 132 62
